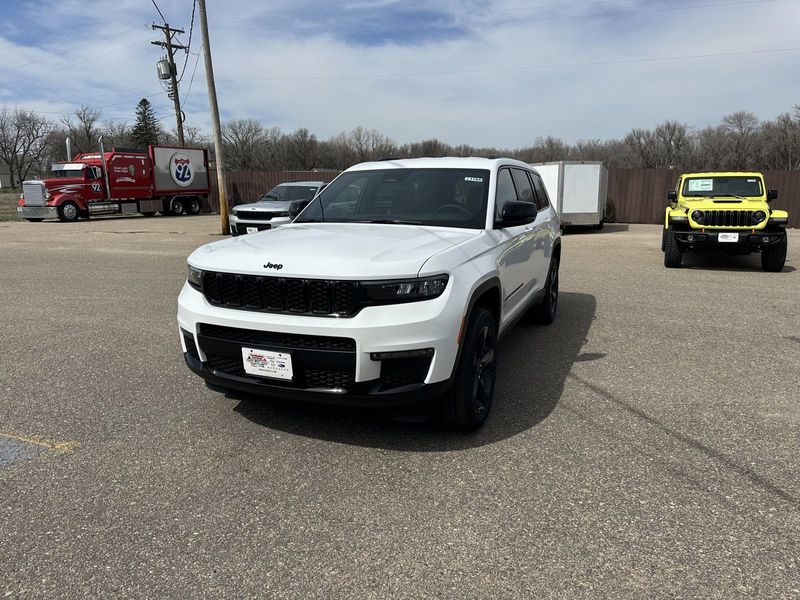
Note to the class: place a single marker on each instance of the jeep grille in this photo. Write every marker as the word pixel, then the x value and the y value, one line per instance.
pixel 319 297
pixel 727 218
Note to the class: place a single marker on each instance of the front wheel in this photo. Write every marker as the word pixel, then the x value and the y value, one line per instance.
pixel 68 212
pixel 673 255
pixel 774 257
pixel 466 405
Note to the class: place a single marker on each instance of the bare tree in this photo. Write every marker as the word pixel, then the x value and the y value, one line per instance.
pixel 302 147
pixel 243 139
pixel 117 133
pixel 23 141
pixel 742 129
pixel 673 143
pixel 642 145
pixel 84 128
pixel 781 142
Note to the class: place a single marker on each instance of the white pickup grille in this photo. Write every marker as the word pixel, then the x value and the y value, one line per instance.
pixel 34 193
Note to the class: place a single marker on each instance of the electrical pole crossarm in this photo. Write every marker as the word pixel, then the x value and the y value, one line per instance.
pixel 173 71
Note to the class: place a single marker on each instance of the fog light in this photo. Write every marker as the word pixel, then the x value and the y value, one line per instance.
pixel 765 240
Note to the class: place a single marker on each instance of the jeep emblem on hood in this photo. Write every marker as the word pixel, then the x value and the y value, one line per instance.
pixel 271 265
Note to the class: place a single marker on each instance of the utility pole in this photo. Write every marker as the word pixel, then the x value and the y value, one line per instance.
pixel 173 71
pixel 212 102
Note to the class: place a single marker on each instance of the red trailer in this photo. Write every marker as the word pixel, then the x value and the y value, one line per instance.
pixel 162 179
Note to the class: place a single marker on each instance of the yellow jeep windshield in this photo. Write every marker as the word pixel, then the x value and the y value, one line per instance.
pixel 722 186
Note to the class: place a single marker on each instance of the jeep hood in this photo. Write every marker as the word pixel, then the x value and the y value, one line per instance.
pixel 331 250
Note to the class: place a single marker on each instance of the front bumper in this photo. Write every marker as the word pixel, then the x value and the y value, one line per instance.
pixel 747 239
pixel 240 226
pixel 325 369
pixel 37 212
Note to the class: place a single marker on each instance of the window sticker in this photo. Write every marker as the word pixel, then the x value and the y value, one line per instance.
pixel 700 185
pixel 752 180
pixel 475 179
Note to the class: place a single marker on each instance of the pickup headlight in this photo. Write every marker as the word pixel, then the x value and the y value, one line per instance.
pixel 405 290
pixel 195 278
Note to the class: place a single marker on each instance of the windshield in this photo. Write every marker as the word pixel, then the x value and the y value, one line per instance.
pixel 440 197
pixel 713 187
pixel 72 173
pixel 287 193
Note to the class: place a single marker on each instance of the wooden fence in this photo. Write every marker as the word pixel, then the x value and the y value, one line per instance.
pixel 638 195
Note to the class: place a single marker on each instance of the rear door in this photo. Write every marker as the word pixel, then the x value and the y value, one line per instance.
pixel 546 227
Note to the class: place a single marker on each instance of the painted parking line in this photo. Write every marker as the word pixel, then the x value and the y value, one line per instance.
pixel 15 447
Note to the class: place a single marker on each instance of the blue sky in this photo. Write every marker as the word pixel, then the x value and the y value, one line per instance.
pixel 489 73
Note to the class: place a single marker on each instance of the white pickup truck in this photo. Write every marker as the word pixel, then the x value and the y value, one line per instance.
pixel 391 287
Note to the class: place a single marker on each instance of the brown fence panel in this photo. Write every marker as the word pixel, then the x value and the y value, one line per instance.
pixel 247 186
pixel 640 195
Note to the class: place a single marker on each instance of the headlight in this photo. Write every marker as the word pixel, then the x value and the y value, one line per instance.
pixel 759 216
pixel 697 216
pixel 405 290
pixel 195 277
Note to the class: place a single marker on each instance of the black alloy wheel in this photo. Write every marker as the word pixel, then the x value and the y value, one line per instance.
pixel 544 313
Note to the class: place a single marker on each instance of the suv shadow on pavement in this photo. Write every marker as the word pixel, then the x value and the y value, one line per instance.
pixel 534 365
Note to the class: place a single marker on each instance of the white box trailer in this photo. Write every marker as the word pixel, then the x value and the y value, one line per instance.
pixel 577 189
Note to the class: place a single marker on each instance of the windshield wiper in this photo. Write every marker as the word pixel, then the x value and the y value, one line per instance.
pixel 391 222
pixel 726 196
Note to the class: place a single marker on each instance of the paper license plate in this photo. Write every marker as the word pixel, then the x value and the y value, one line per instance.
pixel 266 363
pixel 252 230
pixel 728 237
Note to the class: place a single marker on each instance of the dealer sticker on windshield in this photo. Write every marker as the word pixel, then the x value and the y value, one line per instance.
pixel 728 237
pixel 266 363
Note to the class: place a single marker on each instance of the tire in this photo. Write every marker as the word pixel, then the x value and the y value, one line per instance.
pixel 544 313
pixel 30 220
pixel 663 238
pixel 68 212
pixel 466 405
pixel 672 252
pixel 193 206
pixel 176 206
pixel 149 213
pixel 774 257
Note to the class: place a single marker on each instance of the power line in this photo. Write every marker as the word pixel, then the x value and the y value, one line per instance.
pixel 520 68
pixel 163 18
pixel 189 43
pixel 191 80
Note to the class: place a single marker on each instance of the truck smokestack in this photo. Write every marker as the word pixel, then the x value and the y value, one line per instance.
pixel 69 149
pixel 105 168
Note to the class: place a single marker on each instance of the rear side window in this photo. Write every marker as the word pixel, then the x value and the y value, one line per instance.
pixel 541 192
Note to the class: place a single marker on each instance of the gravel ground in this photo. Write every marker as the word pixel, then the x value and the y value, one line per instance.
pixel 644 445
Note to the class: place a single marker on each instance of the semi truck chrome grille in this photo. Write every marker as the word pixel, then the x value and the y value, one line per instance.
pixel 318 297
pixel 34 194
pixel 728 218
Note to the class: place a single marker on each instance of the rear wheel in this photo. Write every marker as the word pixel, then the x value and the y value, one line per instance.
pixel 176 206
pixel 544 313
pixel 193 206
pixel 68 212
pixel 774 257
pixel 663 238
pixel 466 405
pixel 672 252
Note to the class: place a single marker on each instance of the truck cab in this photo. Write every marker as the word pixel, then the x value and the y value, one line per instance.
pixel 724 211
pixel 65 194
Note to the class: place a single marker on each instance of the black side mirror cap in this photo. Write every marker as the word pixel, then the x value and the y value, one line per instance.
pixel 672 196
pixel 772 195
pixel 517 213
pixel 297 206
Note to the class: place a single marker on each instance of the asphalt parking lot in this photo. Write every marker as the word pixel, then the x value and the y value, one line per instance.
pixel 645 445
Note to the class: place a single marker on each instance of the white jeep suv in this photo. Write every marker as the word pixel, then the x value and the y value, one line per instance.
pixel 391 287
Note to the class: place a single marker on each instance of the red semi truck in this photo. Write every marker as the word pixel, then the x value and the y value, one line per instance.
pixel 171 181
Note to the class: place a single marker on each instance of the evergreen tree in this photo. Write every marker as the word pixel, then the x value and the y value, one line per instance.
pixel 147 128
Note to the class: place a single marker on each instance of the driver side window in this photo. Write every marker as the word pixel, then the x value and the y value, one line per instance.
pixel 506 192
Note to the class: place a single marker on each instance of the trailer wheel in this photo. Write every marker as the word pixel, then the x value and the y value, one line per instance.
pixel 194 206
pixel 68 212
pixel 176 206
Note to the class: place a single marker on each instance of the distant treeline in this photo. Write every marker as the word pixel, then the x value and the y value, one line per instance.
pixel 29 142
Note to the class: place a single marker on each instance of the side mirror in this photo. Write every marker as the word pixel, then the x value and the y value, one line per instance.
pixel 297 206
pixel 772 195
pixel 672 196
pixel 517 213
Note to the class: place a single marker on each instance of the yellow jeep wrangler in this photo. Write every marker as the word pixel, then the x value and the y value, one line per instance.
pixel 726 212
